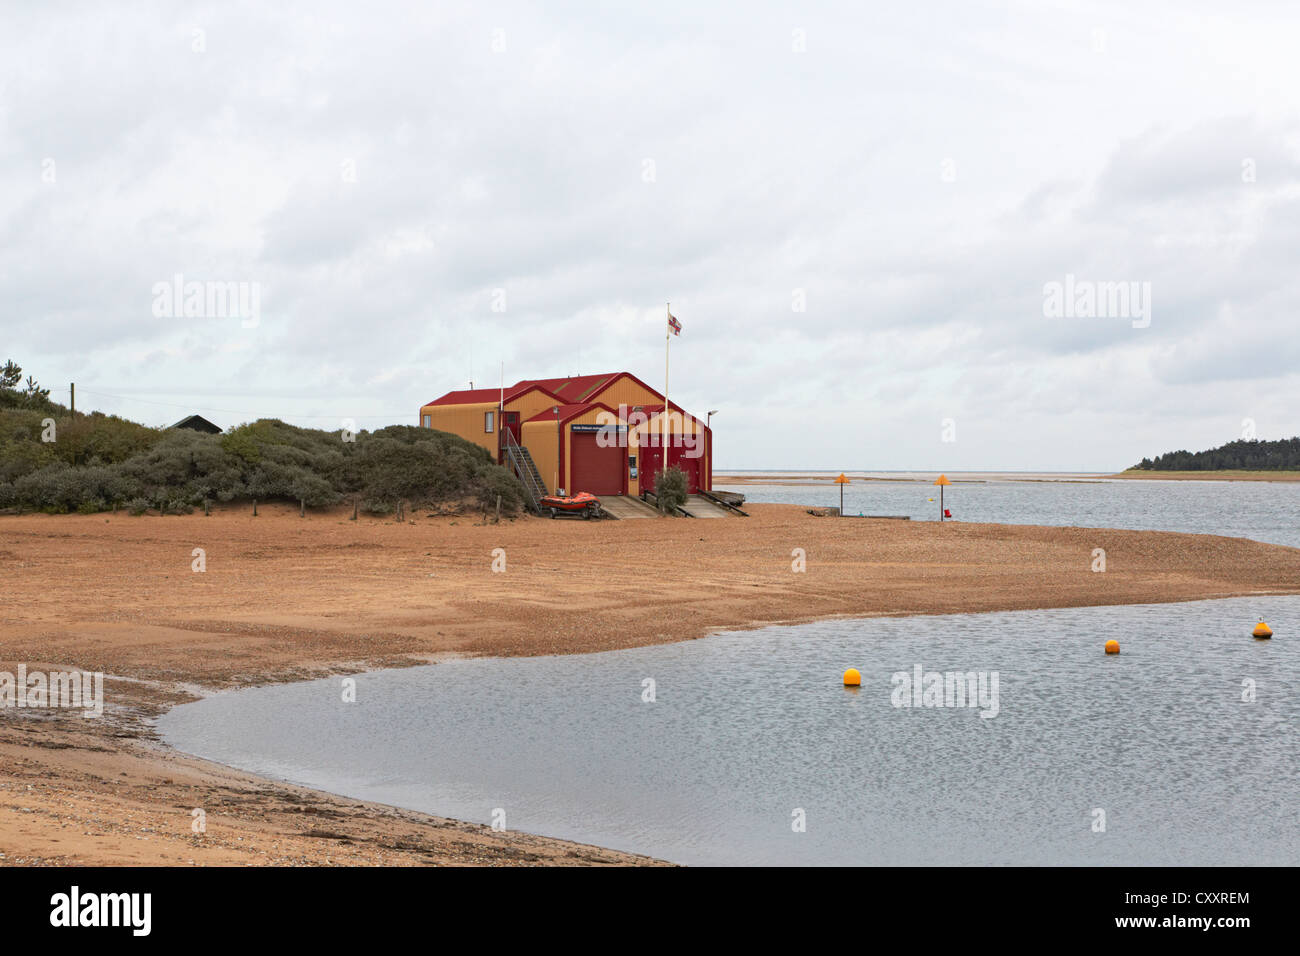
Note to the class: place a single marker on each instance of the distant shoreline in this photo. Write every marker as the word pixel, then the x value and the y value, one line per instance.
pixel 1209 475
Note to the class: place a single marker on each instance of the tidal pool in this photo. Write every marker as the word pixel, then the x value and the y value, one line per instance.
pixel 1184 746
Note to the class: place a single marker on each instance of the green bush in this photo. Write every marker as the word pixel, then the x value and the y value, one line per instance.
pixel 498 481
pixel 670 488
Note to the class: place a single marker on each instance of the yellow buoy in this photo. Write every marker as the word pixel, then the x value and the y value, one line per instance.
pixel 1262 630
pixel 852 678
pixel 1112 647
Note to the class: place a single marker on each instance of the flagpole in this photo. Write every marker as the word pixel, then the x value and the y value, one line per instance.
pixel 668 338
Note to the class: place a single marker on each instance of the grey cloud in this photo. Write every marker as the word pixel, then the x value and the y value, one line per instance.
pixel 775 171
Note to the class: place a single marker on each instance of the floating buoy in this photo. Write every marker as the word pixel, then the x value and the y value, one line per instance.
pixel 1112 647
pixel 1262 630
pixel 852 678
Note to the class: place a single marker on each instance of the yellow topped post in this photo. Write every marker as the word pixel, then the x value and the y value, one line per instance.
pixel 841 481
pixel 941 482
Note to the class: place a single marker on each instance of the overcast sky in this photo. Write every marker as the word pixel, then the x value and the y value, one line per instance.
pixel 854 209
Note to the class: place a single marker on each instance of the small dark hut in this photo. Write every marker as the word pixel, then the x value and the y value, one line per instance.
pixel 199 424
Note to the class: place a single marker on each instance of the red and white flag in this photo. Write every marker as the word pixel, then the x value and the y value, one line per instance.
pixel 674 324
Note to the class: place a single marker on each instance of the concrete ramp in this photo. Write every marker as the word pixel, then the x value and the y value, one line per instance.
pixel 698 506
pixel 624 507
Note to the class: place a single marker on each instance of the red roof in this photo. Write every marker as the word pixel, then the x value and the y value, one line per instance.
pixel 570 391
pixel 469 397
pixel 572 410
pixel 588 387
pixel 574 389
pixel 478 396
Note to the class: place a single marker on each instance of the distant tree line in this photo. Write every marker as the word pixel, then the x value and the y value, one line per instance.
pixel 51 461
pixel 1241 455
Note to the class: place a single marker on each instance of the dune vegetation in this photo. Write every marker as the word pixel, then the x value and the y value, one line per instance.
pixel 55 462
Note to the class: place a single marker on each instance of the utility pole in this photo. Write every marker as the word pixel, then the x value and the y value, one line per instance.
pixel 72 407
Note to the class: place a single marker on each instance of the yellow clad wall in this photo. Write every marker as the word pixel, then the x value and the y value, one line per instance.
pixel 529 405
pixel 629 393
pixel 465 421
pixel 541 441
pixel 676 425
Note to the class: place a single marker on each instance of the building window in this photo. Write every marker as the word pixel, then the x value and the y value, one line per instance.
pixel 428 421
pixel 487 421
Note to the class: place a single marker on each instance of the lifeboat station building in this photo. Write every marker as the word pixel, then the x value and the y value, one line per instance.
pixel 602 434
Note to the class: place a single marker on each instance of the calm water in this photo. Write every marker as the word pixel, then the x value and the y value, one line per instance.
pixel 748 727
pixel 1266 511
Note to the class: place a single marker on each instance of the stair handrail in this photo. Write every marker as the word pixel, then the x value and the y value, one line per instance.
pixel 710 496
pixel 525 475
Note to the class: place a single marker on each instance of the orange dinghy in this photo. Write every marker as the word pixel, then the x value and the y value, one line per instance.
pixel 583 503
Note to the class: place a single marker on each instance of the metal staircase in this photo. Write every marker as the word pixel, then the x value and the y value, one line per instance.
pixel 525 469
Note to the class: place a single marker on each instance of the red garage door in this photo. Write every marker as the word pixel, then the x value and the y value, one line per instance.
pixel 652 461
pixel 595 469
pixel 688 463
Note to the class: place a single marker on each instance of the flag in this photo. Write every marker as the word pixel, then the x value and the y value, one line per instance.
pixel 674 324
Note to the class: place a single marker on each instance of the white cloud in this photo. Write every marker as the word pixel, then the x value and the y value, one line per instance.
pixel 918 178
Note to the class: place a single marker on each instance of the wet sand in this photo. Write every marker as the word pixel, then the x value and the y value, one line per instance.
pixel 287 598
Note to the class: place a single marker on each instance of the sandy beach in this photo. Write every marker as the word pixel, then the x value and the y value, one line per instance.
pixel 287 598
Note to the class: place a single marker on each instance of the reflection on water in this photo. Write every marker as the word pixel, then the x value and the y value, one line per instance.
pixel 749 728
